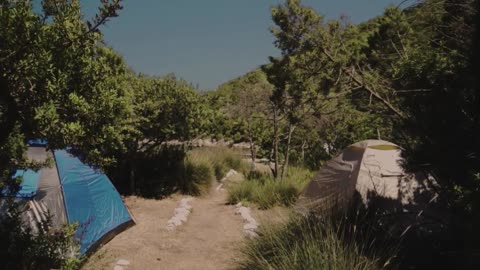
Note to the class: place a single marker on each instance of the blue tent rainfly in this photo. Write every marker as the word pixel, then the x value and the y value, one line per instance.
pixel 72 192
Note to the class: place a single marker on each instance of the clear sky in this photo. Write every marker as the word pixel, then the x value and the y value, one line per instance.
pixel 208 42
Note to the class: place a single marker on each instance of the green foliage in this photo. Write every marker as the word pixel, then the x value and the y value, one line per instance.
pixel 202 165
pixel 267 192
pixel 222 159
pixel 12 150
pixel 157 173
pixel 172 168
pixel 165 109
pixel 58 82
pixel 241 108
pixel 408 75
pixel 198 176
pixel 311 243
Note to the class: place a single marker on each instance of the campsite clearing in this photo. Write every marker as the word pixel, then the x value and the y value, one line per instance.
pixel 210 239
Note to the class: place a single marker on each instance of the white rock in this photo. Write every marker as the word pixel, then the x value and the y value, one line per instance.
pixel 123 262
pixel 251 234
pixel 180 214
pixel 251 225
pixel 219 187
pixel 118 267
pixel 232 172
pixel 229 173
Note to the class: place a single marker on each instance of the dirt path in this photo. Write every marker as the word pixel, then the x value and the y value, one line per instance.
pixel 208 240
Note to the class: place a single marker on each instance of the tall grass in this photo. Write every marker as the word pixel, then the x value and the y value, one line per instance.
pixel 312 243
pixel 267 192
pixel 170 168
pixel 202 165
pixel 221 159
pixel 197 176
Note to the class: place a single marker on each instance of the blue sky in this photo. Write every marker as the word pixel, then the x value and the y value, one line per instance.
pixel 208 42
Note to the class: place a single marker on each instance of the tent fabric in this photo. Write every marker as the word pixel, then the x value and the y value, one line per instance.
pixel 28 187
pixel 90 199
pixel 50 191
pixel 334 184
pixel 371 169
pixel 37 142
pixel 70 192
pixel 30 178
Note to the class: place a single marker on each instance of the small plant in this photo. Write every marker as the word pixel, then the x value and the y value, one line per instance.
pixel 256 175
pixel 241 192
pixel 267 192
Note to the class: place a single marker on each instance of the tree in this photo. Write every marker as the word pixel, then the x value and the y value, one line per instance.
pixel 408 73
pixel 318 69
pixel 164 109
pixel 250 107
pixel 58 82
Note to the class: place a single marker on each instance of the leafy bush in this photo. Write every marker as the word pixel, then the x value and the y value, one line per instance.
pixel 267 192
pixel 312 243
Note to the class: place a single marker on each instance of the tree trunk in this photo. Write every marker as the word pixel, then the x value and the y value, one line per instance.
pixel 253 152
pixel 304 146
pixel 131 177
pixel 131 166
pixel 291 128
pixel 275 142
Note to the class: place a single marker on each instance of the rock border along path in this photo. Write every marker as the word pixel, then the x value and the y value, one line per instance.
pixel 121 264
pixel 180 214
pixel 230 173
pixel 251 225
pixel 209 240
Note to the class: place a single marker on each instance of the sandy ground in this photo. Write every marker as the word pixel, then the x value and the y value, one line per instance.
pixel 210 239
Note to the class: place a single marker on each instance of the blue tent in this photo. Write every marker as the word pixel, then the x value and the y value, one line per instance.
pixel 73 192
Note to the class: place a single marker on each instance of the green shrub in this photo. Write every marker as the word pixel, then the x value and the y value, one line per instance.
pixel 220 169
pixel 288 194
pixel 234 161
pixel 170 168
pixel 241 192
pixel 311 243
pixel 264 193
pixel 257 175
pixel 222 159
pixel 267 192
pixel 197 177
pixel 202 165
